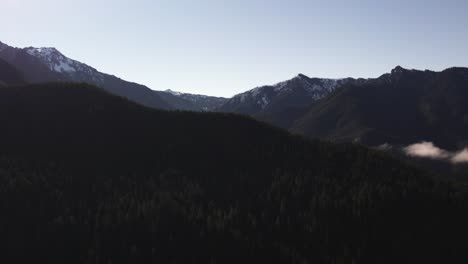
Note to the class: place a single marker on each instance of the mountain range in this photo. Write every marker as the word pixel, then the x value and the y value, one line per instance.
pixel 48 64
pixel 399 108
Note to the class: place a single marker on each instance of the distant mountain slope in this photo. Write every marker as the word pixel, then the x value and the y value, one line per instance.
pixel 282 103
pixel 48 64
pixel 197 102
pixel 87 177
pixel 402 107
pixel 9 75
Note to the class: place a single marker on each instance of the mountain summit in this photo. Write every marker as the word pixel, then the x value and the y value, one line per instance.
pixel 281 103
pixel 398 69
pixel 50 65
pixel 55 60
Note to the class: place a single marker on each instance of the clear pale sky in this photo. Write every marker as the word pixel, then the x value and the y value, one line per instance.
pixel 226 47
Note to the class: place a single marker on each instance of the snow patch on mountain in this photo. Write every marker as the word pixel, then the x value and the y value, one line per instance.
pixel 173 92
pixel 264 102
pixel 59 63
pixel 55 60
pixel 281 86
pixel 315 88
pixel 206 103
pixel 63 67
pixel 192 97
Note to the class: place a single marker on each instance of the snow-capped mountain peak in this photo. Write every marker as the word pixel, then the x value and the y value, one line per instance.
pixel 55 60
pixel 50 65
pixel 312 88
pixel 59 63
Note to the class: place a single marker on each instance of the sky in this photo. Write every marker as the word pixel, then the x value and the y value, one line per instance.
pixel 225 47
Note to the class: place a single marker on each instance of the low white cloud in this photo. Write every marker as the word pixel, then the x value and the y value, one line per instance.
pixel 460 157
pixel 426 150
pixel 431 151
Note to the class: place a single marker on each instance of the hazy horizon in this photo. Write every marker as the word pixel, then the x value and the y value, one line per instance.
pixel 224 48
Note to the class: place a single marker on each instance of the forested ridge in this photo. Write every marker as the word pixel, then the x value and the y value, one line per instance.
pixel 400 108
pixel 88 177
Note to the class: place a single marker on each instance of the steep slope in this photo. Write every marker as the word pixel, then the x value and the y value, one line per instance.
pixel 9 75
pixel 282 103
pixel 92 178
pixel 48 64
pixel 403 107
pixel 32 68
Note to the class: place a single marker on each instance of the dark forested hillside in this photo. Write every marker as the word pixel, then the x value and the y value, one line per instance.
pixel 9 75
pixel 87 177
